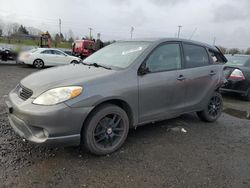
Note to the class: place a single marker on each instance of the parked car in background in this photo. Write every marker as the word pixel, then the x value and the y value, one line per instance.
pixel 69 52
pixel 123 85
pixel 237 73
pixel 41 57
pixel 7 54
pixel 83 48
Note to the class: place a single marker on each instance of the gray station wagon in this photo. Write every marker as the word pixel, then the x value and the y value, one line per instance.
pixel 124 85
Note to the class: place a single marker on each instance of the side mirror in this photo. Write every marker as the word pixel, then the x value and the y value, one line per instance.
pixel 143 70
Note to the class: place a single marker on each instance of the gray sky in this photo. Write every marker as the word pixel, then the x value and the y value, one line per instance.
pixel 227 20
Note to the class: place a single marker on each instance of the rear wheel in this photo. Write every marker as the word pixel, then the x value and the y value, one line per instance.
pixel 105 130
pixel 38 63
pixel 213 110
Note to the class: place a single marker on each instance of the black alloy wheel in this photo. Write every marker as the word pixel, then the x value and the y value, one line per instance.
pixel 105 130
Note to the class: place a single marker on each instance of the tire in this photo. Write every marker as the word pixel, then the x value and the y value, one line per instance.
pixel 247 97
pixel 213 110
pixel 105 130
pixel 74 62
pixel 38 63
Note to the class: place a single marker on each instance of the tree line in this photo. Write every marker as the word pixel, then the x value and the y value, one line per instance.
pixel 16 31
pixel 234 50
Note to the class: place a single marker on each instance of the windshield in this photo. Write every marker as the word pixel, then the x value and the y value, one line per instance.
pixel 237 60
pixel 120 54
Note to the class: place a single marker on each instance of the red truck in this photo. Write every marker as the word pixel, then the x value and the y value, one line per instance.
pixel 83 48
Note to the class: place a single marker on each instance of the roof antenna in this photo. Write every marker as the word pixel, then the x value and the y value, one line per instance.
pixel 193 33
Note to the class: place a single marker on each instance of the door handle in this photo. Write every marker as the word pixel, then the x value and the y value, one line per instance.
pixel 181 78
pixel 212 72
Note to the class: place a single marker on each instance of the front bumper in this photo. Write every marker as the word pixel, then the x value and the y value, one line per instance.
pixel 58 124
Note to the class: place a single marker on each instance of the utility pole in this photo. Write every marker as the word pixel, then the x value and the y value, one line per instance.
pixel 131 32
pixel 90 33
pixel 98 36
pixel 179 30
pixel 60 26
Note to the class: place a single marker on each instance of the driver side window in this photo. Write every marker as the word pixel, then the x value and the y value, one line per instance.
pixel 164 58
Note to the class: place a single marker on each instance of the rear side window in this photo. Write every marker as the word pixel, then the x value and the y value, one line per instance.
pixel 46 52
pixel 164 58
pixel 57 52
pixel 216 57
pixel 195 56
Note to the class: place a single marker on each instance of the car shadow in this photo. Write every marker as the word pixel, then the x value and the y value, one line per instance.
pixel 232 96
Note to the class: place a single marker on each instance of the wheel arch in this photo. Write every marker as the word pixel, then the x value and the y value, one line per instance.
pixel 118 102
pixel 37 59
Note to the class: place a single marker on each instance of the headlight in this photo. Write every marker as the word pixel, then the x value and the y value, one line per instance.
pixel 58 95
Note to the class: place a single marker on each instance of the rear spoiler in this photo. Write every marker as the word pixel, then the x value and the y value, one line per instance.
pixel 222 55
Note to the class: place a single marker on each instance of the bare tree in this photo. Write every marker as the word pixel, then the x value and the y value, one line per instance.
pixel 247 51
pixel 234 51
pixel 12 28
pixel 15 27
pixel 222 49
pixel 70 36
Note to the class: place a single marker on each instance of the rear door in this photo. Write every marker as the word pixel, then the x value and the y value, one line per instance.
pixel 160 92
pixel 47 56
pixel 201 76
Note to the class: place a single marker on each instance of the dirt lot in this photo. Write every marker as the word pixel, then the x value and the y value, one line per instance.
pixel 208 155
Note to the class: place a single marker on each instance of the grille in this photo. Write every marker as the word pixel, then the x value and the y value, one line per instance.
pixel 23 92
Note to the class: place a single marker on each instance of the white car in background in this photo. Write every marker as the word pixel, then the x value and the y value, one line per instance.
pixel 41 57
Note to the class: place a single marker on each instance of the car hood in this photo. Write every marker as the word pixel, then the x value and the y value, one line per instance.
pixel 74 74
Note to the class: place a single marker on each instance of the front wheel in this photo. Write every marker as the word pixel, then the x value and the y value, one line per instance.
pixel 105 130
pixel 74 62
pixel 213 110
pixel 247 97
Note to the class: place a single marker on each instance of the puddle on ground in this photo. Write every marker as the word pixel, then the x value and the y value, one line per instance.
pixel 237 113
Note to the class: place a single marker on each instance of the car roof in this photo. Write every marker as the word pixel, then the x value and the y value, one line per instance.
pixel 48 49
pixel 160 40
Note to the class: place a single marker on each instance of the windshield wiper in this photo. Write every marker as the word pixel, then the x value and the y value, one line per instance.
pixel 96 65
pixel 85 63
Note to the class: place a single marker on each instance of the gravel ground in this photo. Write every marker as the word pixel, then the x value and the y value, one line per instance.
pixel 155 155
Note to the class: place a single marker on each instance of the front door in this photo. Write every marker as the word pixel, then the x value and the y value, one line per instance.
pixel 60 58
pixel 161 92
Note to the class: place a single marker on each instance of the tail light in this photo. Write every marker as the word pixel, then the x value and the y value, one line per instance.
pixel 27 55
pixel 237 75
